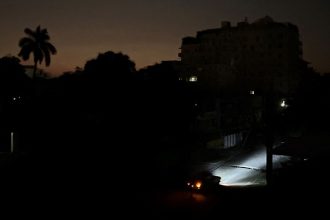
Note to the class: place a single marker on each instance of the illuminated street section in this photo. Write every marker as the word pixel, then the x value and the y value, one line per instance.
pixel 247 169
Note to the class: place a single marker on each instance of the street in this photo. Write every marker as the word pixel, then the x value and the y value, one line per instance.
pixel 245 167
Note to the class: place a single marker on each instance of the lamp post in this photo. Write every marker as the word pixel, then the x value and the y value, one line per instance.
pixel 14 102
pixel 269 114
pixel 12 142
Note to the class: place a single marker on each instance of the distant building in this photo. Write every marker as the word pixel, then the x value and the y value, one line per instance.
pixel 250 57
pixel 232 67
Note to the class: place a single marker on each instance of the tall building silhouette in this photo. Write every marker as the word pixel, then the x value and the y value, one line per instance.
pixel 256 56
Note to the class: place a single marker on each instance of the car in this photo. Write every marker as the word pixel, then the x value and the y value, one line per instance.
pixel 203 181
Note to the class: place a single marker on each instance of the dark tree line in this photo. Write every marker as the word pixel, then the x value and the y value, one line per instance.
pixel 106 109
pixel 106 118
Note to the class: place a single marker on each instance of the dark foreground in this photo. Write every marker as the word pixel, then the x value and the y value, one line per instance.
pixel 93 188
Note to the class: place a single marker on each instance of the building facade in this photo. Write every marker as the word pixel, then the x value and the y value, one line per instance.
pixel 260 56
pixel 235 68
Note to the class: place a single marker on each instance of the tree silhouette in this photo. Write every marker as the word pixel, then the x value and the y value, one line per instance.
pixel 13 80
pixel 110 66
pixel 15 87
pixel 110 73
pixel 36 42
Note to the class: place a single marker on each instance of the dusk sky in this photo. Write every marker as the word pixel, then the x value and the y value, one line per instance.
pixel 150 31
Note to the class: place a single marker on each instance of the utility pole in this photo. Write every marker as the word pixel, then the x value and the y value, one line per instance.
pixel 269 114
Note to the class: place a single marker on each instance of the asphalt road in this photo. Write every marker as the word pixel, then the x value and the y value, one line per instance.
pixel 243 167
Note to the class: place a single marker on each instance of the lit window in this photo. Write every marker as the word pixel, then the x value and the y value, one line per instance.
pixel 251 92
pixel 16 98
pixel 193 79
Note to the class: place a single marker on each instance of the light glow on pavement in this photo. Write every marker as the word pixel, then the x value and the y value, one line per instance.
pixel 248 170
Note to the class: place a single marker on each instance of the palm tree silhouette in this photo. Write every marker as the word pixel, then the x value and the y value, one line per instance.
pixel 37 42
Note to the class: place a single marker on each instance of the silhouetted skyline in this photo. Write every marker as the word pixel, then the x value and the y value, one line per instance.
pixel 151 31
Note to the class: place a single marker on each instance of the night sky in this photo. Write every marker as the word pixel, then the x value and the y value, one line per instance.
pixel 150 31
